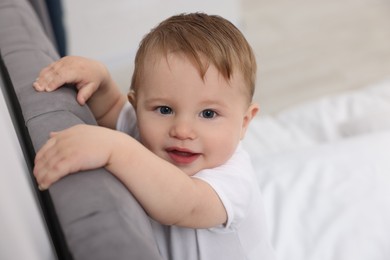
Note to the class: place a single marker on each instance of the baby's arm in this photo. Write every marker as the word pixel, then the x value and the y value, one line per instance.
pixel 166 193
pixel 93 81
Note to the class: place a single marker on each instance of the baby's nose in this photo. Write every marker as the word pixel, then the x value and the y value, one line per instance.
pixel 182 129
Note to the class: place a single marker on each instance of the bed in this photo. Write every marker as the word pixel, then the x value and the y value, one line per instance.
pixel 324 170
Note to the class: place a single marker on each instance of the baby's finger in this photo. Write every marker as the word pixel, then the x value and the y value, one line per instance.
pixel 57 167
pixel 44 149
pixel 40 83
pixel 47 180
pixel 85 92
pixel 49 168
pixel 54 76
pixel 41 169
pixel 39 178
pixel 42 162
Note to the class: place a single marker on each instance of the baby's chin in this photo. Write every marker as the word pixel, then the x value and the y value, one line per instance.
pixel 188 171
pixel 191 171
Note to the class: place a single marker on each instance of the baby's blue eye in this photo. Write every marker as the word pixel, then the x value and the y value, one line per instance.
pixel 164 110
pixel 208 113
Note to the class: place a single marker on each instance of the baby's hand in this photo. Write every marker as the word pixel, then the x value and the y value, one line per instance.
pixel 81 147
pixel 87 75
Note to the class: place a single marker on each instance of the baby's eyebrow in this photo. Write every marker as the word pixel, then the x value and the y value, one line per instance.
pixel 214 102
pixel 155 100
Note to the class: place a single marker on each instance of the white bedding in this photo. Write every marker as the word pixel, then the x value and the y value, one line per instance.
pixel 324 170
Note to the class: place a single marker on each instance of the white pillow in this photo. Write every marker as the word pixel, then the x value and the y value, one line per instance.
pixel 375 122
pixel 267 135
pixel 321 119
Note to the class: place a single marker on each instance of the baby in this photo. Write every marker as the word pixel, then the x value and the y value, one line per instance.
pixel 178 146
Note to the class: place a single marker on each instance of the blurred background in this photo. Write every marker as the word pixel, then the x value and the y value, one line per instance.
pixel 305 49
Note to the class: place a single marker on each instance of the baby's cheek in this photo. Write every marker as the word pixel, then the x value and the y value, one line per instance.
pixel 221 153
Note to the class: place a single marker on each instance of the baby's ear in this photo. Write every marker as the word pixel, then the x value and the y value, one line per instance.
pixel 251 112
pixel 132 98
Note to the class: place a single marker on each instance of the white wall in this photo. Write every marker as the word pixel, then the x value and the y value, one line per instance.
pixel 110 30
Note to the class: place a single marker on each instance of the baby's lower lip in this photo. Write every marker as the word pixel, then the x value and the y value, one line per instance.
pixel 182 157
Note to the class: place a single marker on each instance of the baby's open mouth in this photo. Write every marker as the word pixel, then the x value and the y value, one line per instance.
pixel 182 156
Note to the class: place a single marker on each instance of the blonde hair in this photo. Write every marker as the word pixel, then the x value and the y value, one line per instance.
pixel 204 39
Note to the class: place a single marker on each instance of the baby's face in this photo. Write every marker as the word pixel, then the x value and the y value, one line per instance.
pixel 193 123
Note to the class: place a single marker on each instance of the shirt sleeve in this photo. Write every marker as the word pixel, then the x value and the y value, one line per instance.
pixel 127 121
pixel 235 184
